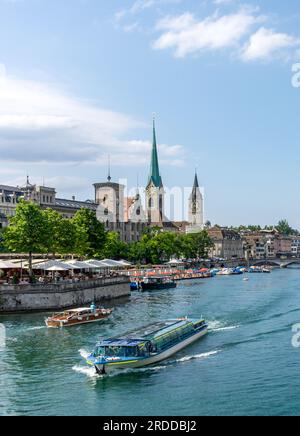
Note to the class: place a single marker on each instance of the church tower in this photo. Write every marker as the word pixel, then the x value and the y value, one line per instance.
pixel 154 189
pixel 196 217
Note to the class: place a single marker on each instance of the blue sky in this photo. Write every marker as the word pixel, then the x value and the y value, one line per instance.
pixel 79 79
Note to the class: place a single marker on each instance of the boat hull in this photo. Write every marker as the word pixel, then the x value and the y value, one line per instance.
pixel 60 324
pixel 61 320
pixel 157 287
pixel 156 358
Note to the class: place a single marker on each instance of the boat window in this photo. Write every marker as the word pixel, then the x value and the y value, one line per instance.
pixel 130 351
pixel 114 351
pixel 100 351
pixel 144 350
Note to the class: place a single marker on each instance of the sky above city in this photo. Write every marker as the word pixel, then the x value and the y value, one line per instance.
pixel 81 79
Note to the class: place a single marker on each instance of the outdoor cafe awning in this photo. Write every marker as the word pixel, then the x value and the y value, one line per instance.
pixel 8 265
pixel 53 265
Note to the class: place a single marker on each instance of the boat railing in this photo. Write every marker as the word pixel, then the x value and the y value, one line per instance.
pixel 63 286
pixel 181 337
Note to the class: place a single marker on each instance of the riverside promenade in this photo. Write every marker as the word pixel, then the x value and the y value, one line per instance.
pixel 57 296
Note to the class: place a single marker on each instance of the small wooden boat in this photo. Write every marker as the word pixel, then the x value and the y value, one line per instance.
pixel 74 317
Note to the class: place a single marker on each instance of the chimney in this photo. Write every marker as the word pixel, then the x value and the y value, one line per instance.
pixel 73 198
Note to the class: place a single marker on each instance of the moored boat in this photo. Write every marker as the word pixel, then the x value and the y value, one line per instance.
pixel 74 317
pixel 157 283
pixel 146 346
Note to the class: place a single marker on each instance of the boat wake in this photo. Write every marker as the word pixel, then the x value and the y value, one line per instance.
pixel 83 353
pixel 217 326
pixel 198 356
pixel 32 329
pixel 91 372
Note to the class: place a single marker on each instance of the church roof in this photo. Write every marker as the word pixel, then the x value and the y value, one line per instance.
pixel 195 186
pixel 154 177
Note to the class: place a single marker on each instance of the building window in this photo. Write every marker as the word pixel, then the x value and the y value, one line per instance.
pixel 150 203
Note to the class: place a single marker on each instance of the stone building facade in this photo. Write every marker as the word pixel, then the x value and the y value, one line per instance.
pixel 228 244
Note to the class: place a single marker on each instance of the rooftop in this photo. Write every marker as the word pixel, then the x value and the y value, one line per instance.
pixel 74 204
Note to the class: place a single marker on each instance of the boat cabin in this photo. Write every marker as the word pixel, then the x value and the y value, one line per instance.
pixel 123 349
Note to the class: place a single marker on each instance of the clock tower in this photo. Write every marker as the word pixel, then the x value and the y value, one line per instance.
pixel 154 189
pixel 196 218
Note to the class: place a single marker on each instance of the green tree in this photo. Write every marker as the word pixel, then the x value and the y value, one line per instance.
pixel 156 246
pixel 90 234
pixel 61 233
pixel 114 248
pixel 284 228
pixel 137 252
pixel 196 245
pixel 28 231
pixel 2 246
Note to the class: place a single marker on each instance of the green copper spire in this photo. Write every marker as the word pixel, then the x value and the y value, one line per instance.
pixel 195 188
pixel 154 169
pixel 196 183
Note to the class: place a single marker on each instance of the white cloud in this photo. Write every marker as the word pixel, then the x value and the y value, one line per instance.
pixel 266 43
pixel 222 2
pixel 186 35
pixel 39 123
pixel 123 18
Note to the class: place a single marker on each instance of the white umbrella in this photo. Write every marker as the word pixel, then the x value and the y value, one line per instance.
pixel 112 263
pixel 52 264
pixel 57 268
pixel 125 263
pixel 8 265
pixel 97 264
pixel 76 264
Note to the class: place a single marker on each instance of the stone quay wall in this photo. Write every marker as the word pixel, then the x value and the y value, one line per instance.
pixel 27 298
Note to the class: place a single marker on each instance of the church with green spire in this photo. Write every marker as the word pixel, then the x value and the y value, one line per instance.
pixel 155 188
pixel 155 199
pixel 154 176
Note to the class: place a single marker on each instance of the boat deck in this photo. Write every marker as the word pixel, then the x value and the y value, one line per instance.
pixel 145 333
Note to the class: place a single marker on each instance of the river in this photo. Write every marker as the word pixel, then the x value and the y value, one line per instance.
pixel 245 366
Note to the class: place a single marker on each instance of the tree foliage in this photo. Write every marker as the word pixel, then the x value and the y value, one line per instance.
pixel 114 248
pixel 156 246
pixel 28 231
pixel 284 228
pixel 61 233
pixel 90 234
pixel 33 230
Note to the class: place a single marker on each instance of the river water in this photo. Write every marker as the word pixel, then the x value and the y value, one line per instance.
pixel 245 365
